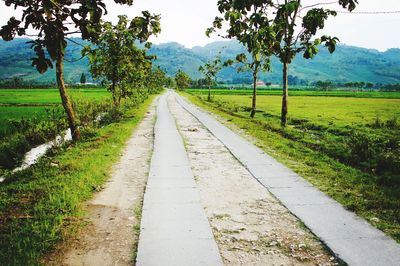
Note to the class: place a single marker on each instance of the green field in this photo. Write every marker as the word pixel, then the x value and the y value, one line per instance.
pixel 27 103
pixel 29 117
pixel 326 111
pixel 301 92
pixel 47 96
pixel 349 147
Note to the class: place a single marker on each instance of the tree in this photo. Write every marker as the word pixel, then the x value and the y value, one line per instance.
pixel 83 78
pixel 171 83
pixel 324 85
pixel 292 39
pixel 156 80
pixel 210 71
pixel 249 24
pixel 51 20
pixel 182 80
pixel 118 60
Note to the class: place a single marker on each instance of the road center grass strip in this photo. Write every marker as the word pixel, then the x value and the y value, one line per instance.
pixel 354 189
pixel 44 204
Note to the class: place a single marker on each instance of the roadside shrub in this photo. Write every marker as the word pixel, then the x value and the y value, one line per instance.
pixel 378 123
pixel 12 150
pixel 38 130
pixel 228 106
pixel 90 113
pixel 89 133
pixel 391 123
pixel 377 155
pixel 114 115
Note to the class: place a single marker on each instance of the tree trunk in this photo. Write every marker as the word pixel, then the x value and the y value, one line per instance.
pixel 285 95
pixel 209 93
pixel 254 102
pixel 65 99
pixel 114 93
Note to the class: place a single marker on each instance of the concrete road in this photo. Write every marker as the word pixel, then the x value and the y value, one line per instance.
pixel 350 237
pixel 174 228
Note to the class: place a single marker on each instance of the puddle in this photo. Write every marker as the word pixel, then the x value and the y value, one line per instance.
pixel 32 156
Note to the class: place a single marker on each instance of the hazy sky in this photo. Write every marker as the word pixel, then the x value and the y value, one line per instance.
pixel 185 21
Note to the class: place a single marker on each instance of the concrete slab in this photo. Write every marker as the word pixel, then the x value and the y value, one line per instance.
pixel 170 182
pixel 283 181
pixel 350 237
pixel 175 171
pixel 164 195
pixel 300 195
pixel 174 228
pixel 183 252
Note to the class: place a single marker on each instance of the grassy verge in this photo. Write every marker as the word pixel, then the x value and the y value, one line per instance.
pixel 355 190
pixel 42 205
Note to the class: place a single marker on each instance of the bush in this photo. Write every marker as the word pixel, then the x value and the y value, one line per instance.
pixel 112 116
pixel 12 151
pixel 378 155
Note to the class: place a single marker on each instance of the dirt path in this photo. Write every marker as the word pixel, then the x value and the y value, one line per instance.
pixel 109 239
pixel 250 226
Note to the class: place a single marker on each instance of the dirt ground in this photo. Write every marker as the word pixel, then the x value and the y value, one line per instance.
pixel 250 225
pixel 110 237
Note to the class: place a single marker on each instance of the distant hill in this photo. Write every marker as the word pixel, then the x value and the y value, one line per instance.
pixel 347 64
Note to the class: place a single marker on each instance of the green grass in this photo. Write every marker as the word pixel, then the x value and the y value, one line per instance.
pixel 18 112
pixel 324 111
pixel 42 205
pixel 48 96
pixel 26 103
pixel 301 92
pixel 319 127
pixel 29 117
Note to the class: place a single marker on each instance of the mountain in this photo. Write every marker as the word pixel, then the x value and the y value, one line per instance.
pixel 347 64
pixel 15 62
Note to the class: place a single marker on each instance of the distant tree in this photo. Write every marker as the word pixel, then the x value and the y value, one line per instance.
pixel 118 60
pixel 83 78
pixel 324 85
pixel 170 83
pixel 182 80
pixel 249 24
pixel 52 19
pixel 201 82
pixel 370 85
pixel 16 82
pixel 390 87
pixel 293 80
pixel 156 80
pixel 210 71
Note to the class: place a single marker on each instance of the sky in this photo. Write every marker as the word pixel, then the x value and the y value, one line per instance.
pixel 185 21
